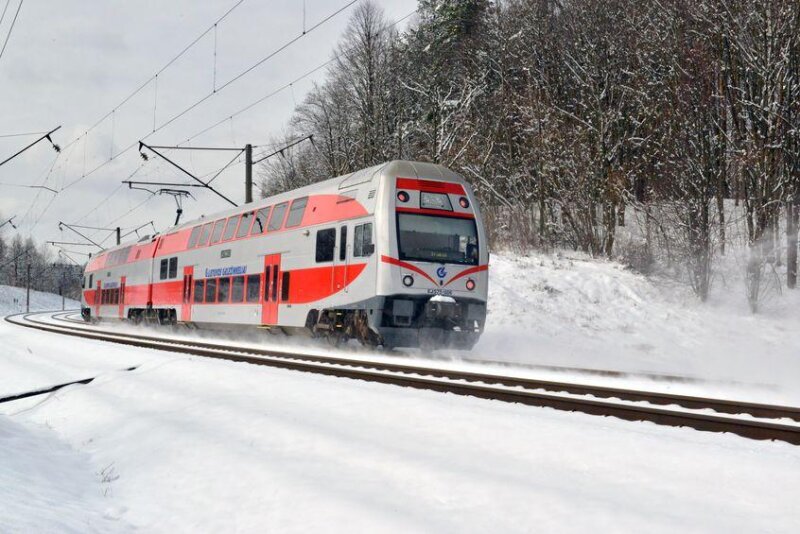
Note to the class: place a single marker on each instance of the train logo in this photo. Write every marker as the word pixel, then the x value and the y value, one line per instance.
pixel 441 272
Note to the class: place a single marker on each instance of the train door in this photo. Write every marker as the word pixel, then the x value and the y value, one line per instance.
pixel 271 293
pixel 340 261
pixel 122 297
pixel 188 285
pixel 98 297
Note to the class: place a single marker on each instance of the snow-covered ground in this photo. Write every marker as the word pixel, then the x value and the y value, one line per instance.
pixel 575 312
pixel 12 300
pixel 195 445
pixel 190 444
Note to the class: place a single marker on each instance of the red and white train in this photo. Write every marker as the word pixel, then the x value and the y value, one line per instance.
pixel 392 255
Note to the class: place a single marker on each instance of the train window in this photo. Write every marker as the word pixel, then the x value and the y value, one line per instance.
pixel 244 226
pixel 296 212
pixel 91 279
pixel 230 228
pixel 173 267
pixel 211 291
pixel 164 270
pixel 253 283
pixel 342 243
pixel 195 235
pixel 217 233
pixel 326 241
pixel 285 286
pixel 115 296
pixel 266 284
pixel 362 240
pixel 260 224
pixel 198 291
pixel 224 289
pixel 237 292
pixel 203 241
pixel 274 282
pixel 276 221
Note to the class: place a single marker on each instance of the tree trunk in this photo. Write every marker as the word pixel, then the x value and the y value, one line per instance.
pixel 791 244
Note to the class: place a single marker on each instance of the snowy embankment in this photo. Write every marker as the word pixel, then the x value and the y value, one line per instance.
pixel 12 300
pixel 557 310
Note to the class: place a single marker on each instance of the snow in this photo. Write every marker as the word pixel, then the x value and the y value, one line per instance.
pixel 570 311
pixel 203 445
pixel 45 486
pixel 12 300
pixel 193 444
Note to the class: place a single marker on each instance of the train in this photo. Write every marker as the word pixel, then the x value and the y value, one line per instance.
pixel 394 255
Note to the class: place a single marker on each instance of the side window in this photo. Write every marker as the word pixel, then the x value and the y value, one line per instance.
pixel 326 242
pixel 343 243
pixel 266 284
pixel 198 291
pixel 244 226
pixel 237 293
pixel 217 233
pixel 260 224
pixel 276 221
pixel 253 289
pixel 285 286
pixel 362 240
pixel 296 212
pixel 173 267
pixel 91 280
pixel 224 289
pixel 203 241
pixel 230 228
pixel 164 269
pixel 211 290
pixel 195 236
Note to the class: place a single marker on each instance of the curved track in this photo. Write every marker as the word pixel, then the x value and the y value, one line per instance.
pixel 751 420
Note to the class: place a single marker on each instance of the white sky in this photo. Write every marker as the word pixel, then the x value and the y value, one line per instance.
pixel 70 63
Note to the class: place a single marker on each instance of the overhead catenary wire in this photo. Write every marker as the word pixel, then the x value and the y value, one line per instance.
pixel 159 71
pixel 10 29
pixel 210 94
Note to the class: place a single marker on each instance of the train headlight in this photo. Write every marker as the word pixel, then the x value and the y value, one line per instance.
pixel 471 284
pixel 402 196
pixel 408 280
pixel 463 202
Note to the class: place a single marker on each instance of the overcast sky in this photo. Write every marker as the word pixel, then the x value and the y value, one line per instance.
pixel 71 63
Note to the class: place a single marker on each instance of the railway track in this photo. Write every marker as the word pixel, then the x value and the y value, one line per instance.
pixel 750 420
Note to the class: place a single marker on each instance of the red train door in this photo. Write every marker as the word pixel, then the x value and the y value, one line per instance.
pixel 188 285
pixel 98 296
pixel 122 297
pixel 270 293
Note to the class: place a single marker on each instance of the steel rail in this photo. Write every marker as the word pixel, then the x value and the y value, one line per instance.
pixel 487 386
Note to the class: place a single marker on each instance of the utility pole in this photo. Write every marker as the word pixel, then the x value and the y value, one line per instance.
pixel 28 291
pixel 248 173
pixel 119 235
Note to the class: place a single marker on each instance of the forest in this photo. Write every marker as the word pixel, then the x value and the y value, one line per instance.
pixel 663 133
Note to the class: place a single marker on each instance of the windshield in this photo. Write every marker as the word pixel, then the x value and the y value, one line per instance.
pixel 437 239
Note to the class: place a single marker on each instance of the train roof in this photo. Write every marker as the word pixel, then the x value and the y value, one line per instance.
pixel 343 183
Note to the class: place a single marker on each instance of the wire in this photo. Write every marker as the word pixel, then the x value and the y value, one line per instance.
pixel 159 71
pixel 209 95
pixel 285 86
pixel 14 21
pixel 20 134
pixel 3 16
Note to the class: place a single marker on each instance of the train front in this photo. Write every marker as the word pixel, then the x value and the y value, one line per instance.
pixel 433 275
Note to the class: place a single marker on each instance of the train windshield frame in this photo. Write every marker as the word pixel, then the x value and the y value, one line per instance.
pixel 437 239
